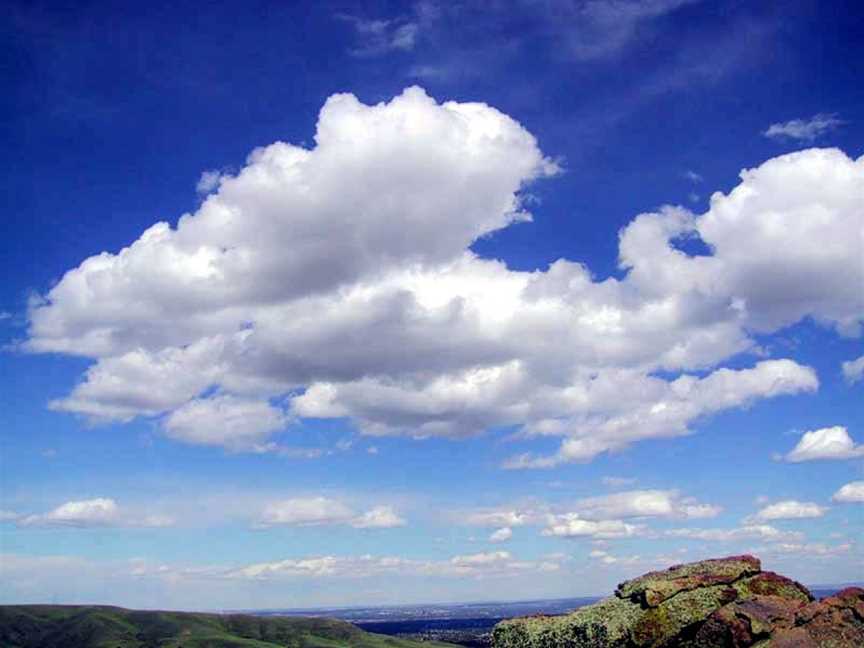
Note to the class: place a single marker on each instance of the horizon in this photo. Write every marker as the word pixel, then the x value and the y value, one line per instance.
pixel 331 304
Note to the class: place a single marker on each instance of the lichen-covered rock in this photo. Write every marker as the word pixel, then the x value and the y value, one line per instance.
pixel 720 603
pixel 653 588
pixel 834 622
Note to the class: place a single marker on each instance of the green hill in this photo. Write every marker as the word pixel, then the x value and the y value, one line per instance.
pixel 69 626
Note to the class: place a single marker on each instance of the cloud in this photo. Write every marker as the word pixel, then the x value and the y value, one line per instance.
pixel 643 503
pixel 853 370
pixel 239 306
pixel 789 510
pixel 825 443
pixel 479 565
pixel 747 532
pixel 608 559
pixel 618 482
pixel 667 410
pixel 804 129
pixel 808 549
pixel 98 512
pixel 693 177
pixel 498 518
pixel 851 492
pixel 324 511
pixel 600 29
pixel 208 182
pixel 234 422
pixel 380 517
pixel 501 535
pixel 8 516
pixel 571 525
pixel 377 37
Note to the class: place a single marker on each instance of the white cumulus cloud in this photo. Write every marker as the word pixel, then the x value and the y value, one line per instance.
pixel 825 443
pixel 338 281
pixel 851 492
pixel 501 535
pixel 571 525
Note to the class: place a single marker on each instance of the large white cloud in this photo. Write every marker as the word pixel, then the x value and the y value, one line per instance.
pixel 340 278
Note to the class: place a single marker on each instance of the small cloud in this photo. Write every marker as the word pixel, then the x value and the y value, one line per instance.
pixel 825 443
pixel 804 129
pixel 853 370
pixel 764 532
pixel 618 482
pixel 499 518
pixel 808 549
pixel 324 511
pixel 97 512
pixel 8 516
pixel 380 517
pixel 372 450
pixel 309 511
pixel 643 503
pixel 48 453
pixel 377 37
pixel 429 72
pixel 570 525
pixel 501 535
pixel 608 559
pixel 853 492
pixel 693 196
pixel 789 510
pixel 693 177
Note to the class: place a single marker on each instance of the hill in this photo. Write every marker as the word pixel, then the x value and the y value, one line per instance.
pixel 68 626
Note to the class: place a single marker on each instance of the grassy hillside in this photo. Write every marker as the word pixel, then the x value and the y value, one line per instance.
pixel 65 626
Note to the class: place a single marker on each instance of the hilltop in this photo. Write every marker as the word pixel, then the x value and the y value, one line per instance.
pixel 720 603
pixel 62 626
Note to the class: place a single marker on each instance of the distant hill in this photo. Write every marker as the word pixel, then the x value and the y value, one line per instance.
pixel 68 626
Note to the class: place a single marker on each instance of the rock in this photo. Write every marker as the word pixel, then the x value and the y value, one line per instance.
pixel 720 603
pixel 655 587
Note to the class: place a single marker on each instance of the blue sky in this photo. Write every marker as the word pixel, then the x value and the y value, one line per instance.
pixel 334 303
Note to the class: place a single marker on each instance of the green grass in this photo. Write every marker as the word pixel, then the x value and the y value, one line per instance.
pixel 69 626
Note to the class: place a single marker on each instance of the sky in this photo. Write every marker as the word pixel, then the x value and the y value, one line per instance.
pixel 324 303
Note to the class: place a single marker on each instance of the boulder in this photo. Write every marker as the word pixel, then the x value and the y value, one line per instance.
pixel 719 603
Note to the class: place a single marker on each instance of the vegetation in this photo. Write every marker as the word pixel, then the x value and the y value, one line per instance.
pixel 66 626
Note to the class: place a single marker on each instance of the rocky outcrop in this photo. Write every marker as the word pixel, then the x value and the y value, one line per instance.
pixel 722 603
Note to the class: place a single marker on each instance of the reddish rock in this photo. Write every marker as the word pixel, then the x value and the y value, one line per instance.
pixel 720 603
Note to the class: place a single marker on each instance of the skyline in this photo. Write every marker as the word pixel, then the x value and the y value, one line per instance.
pixel 408 302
